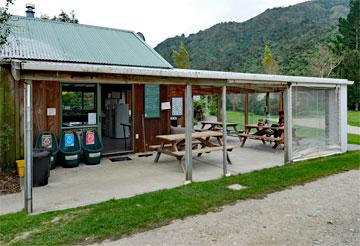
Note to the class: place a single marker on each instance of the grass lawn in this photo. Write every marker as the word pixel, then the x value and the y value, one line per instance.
pixel 353 118
pixel 353 139
pixel 116 218
pixel 238 117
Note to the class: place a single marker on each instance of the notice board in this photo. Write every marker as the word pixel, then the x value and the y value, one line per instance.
pixel 152 101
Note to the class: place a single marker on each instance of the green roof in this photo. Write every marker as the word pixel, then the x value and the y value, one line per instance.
pixel 46 40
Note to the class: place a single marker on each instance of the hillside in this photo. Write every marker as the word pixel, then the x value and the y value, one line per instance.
pixel 291 32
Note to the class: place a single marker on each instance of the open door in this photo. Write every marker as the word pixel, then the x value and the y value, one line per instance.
pixel 116 119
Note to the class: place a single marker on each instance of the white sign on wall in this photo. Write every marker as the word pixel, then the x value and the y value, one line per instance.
pixel 51 111
pixel 177 106
pixel 165 106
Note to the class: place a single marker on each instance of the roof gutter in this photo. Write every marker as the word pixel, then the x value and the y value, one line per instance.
pixel 16 69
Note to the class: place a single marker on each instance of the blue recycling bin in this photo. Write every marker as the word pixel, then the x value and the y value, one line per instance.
pixel 69 149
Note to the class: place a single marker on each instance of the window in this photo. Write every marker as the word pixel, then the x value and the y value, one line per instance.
pixel 79 105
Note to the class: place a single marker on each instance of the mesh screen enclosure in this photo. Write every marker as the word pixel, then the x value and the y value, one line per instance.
pixel 315 121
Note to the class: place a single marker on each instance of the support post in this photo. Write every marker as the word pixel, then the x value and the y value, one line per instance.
pixel 218 107
pixel 28 150
pixel 343 117
pixel 225 172
pixel 267 102
pixel 188 132
pixel 281 95
pixel 288 155
pixel 246 109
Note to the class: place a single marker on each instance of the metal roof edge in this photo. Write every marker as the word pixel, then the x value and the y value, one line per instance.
pixel 153 50
pixel 231 77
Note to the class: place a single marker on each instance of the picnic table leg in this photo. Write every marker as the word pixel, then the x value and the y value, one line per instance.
pixel 157 157
pixel 237 132
pixel 228 158
pixel 243 142
pixel 247 131
pixel 159 153
pixel 181 164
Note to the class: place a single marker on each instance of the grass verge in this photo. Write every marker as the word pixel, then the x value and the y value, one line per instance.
pixel 353 118
pixel 116 218
pixel 353 138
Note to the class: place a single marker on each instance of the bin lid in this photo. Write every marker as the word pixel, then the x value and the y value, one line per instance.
pixel 40 153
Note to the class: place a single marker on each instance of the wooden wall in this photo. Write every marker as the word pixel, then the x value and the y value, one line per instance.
pixel 148 128
pixel 9 150
pixel 46 94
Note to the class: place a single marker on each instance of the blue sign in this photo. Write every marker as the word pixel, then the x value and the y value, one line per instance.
pixel 69 139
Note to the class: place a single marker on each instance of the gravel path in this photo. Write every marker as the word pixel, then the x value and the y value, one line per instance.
pixel 324 212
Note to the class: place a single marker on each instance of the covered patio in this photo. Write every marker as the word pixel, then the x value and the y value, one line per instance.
pixel 92 184
pixel 304 99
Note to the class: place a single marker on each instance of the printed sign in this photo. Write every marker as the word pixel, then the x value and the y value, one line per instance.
pixel 91 118
pixel 51 111
pixel 177 106
pixel 165 105
pixel 90 138
pixel 69 139
pixel 46 141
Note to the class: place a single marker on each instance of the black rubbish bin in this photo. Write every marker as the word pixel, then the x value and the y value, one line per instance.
pixel 41 167
pixel 174 121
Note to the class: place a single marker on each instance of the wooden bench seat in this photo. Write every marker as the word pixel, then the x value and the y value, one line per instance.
pixel 168 146
pixel 158 146
pixel 203 150
pixel 265 138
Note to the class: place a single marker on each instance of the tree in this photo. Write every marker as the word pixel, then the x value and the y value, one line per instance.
pixel 347 45
pixel 268 64
pixel 323 62
pixel 63 17
pixel 4 17
pixel 181 57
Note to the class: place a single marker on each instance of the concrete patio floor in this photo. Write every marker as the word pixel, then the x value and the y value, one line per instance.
pixel 84 185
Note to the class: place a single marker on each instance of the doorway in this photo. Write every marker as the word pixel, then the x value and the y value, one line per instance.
pixel 116 118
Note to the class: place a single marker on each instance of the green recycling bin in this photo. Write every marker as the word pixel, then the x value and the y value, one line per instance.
pixel 69 149
pixel 91 146
pixel 47 140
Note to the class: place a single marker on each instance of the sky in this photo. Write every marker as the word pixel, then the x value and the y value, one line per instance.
pixel 156 19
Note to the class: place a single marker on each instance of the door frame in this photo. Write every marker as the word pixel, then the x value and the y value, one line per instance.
pixel 99 91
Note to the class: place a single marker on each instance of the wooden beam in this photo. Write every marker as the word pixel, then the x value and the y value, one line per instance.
pixel 267 101
pixel 281 96
pixel 114 78
pixel 246 109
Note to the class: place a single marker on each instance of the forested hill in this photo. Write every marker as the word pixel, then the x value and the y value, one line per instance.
pixel 291 33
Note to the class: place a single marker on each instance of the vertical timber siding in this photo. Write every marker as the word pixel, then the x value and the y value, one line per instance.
pixel 152 127
pixel 8 118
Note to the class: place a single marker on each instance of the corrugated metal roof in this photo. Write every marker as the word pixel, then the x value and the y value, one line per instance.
pixel 37 39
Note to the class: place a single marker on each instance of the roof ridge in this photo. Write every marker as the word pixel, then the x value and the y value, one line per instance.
pixel 69 23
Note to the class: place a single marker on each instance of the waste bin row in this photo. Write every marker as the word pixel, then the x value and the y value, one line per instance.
pixel 48 153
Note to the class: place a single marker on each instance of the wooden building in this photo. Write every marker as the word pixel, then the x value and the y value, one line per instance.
pixel 92 77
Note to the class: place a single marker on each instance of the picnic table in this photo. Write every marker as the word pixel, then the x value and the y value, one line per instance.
pixel 231 128
pixel 173 145
pixel 278 140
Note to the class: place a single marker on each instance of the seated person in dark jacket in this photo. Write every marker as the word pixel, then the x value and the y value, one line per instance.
pixel 277 133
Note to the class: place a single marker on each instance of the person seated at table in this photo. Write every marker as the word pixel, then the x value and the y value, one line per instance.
pixel 269 132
